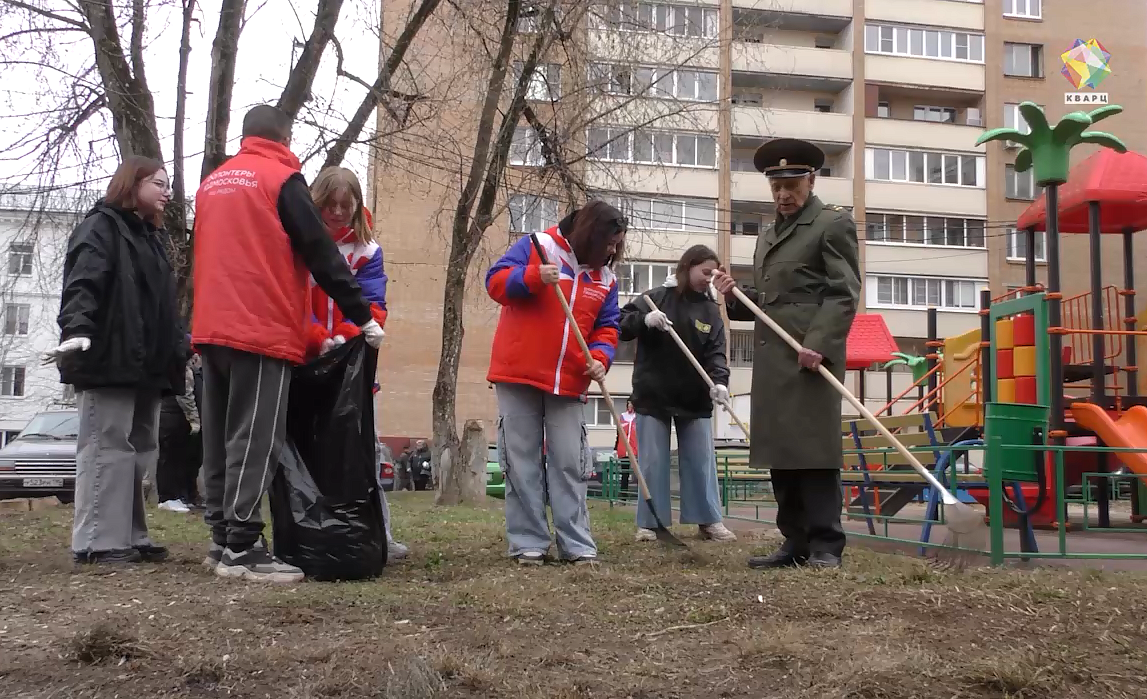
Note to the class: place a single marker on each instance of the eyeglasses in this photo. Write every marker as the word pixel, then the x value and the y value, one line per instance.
pixel 164 186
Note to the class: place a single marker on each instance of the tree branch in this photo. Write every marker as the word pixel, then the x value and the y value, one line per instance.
pixel 298 88
pixel 551 151
pixel 381 86
pixel 55 17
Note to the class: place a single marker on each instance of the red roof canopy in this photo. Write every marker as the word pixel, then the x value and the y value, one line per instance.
pixel 869 342
pixel 1118 181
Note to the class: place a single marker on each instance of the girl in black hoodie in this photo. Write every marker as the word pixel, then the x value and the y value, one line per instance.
pixel 667 390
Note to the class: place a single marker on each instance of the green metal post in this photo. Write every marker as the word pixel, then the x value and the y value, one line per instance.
pixel 996 504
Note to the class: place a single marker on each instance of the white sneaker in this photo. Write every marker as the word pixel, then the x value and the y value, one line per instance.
pixel 396 551
pixel 174 506
pixel 645 535
pixel 716 532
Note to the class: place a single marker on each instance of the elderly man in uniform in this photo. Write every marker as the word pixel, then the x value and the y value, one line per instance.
pixel 806 276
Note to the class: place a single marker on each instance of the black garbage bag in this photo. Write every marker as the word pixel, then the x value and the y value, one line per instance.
pixel 326 513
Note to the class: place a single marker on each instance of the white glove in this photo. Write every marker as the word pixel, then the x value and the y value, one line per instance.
pixel 373 333
pixel 657 320
pixel 330 343
pixel 195 428
pixel 720 394
pixel 338 341
pixel 75 344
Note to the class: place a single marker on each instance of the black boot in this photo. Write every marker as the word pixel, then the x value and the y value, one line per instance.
pixel 781 558
pixel 150 553
pixel 114 556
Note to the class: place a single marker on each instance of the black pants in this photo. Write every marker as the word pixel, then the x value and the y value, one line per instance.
pixel 626 470
pixel 244 427
pixel 180 456
pixel 809 506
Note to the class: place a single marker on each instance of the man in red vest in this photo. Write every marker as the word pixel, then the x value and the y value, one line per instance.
pixel 258 237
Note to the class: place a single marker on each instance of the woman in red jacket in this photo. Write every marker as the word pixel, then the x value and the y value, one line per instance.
pixel 541 375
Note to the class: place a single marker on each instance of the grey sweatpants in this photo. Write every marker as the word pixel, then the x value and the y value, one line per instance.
pixel 527 418
pixel 244 425
pixel 117 446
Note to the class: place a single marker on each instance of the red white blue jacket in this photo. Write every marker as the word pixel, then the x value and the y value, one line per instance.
pixel 533 343
pixel 367 264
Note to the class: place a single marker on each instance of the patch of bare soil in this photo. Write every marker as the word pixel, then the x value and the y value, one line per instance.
pixel 458 620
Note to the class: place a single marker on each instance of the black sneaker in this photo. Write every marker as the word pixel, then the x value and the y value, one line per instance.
pixel 115 556
pixel 780 558
pixel 150 553
pixel 256 564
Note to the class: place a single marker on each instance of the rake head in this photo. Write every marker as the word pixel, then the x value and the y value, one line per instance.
pixel 967 532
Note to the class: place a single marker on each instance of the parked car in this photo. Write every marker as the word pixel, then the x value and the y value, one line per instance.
pixel 495 481
pixel 385 467
pixel 41 461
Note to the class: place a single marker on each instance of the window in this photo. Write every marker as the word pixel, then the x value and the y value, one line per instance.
pixel 531 214
pixel 693 215
pixel 20 258
pixel 16 318
pixel 661 147
pixel 924 292
pixel 1023 60
pixel 1018 245
pixel 597 414
pixel 924 43
pixel 1023 8
pixel 545 83
pixel 925 230
pixel 741 348
pixel 973 117
pixel 886 164
pixel 638 277
pixel 12 381
pixel 822 105
pixel 941 114
pixel 679 20
pixel 526 148
pixel 883 110
pixel 1014 120
pixel 1020 185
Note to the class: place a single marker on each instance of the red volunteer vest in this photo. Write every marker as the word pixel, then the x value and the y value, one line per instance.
pixel 250 286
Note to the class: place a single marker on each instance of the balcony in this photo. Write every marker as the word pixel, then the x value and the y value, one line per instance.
pixel 664 245
pixel 760 122
pixel 934 13
pixel 925 198
pixel 652 179
pixel 927 72
pixel 944 261
pixel 742 248
pixel 827 16
pixel 795 61
pixel 753 186
pixel 653 48
pixel 925 135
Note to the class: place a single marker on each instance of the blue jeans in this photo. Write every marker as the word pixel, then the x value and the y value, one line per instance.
pixel 697 463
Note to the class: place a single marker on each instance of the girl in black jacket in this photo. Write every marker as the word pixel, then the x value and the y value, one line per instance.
pixel 122 347
pixel 667 390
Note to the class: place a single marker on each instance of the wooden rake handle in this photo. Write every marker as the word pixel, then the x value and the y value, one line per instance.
pixel 700 369
pixel 947 496
pixel 601 384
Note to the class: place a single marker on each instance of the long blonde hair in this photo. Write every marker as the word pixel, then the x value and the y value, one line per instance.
pixel 330 181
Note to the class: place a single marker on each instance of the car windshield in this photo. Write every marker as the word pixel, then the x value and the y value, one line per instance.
pixel 62 425
pixel 492 455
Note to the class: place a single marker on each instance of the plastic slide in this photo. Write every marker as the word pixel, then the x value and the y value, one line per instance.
pixel 1128 432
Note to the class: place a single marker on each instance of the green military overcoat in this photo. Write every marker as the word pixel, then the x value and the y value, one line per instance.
pixel 806 276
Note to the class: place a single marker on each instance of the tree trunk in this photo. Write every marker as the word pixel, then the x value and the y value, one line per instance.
pixel 464 470
pixel 129 99
pixel 176 213
pixel 302 77
pixel 224 53
pixel 445 421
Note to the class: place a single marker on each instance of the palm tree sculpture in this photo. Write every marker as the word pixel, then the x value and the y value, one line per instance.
pixel 1047 149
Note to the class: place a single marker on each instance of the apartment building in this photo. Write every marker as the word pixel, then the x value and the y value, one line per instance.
pixel 894 91
pixel 33 237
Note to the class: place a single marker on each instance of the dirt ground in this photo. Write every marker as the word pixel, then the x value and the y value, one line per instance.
pixel 457 620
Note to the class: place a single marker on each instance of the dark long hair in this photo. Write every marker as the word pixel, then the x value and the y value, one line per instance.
pixel 125 183
pixel 594 226
pixel 692 257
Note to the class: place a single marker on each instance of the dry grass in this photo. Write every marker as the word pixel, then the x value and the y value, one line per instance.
pixel 458 620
